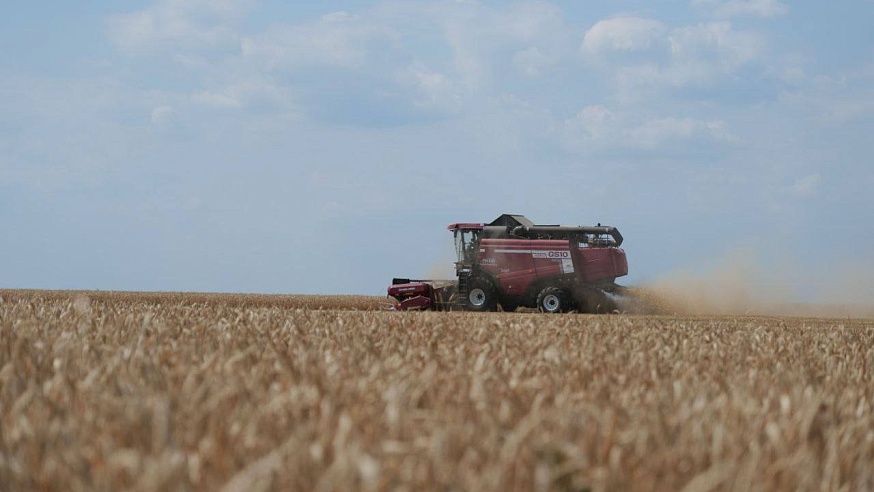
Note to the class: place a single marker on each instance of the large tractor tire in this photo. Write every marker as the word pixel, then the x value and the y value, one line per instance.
pixel 554 300
pixel 482 295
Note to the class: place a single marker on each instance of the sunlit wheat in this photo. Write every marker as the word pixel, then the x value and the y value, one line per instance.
pixel 110 391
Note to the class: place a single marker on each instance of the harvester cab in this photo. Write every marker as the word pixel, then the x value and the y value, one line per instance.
pixel 466 242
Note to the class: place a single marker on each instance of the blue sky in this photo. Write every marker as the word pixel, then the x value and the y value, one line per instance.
pixel 322 147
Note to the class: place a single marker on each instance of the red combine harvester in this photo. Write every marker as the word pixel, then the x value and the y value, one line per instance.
pixel 512 263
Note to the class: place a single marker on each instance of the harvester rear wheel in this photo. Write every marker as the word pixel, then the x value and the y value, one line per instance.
pixel 554 300
pixel 482 295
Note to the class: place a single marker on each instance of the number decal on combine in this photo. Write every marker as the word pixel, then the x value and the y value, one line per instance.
pixel 554 255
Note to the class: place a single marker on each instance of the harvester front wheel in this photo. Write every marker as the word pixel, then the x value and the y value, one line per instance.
pixel 482 295
pixel 553 300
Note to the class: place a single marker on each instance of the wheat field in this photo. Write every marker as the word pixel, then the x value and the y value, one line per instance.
pixel 174 391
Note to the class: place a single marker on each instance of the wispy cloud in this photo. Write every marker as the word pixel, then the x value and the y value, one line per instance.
pixel 596 128
pixel 640 55
pixel 179 25
pixel 216 100
pixel 735 8
pixel 621 35
pixel 337 39
pixel 806 186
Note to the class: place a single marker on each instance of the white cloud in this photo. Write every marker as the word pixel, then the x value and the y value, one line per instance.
pixel 594 122
pixel 526 22
pixel 807 186
pixel 841 98
pixel 337 39
pixel 434 89
pixel 641 55
pixel 216 100
pixel 734 8
pixel 393 46
pixel 596 128
pixel 716 39
pixel 163 115
pixel 531 61
pixel 535 34
pixel 791 69
pixel 178 25
pixel 251 93
pixel 654 133
pixel 390 52
pixel 621 34
pixel 340 16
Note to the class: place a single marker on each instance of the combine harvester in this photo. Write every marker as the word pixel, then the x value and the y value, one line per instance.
pixel 512 263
